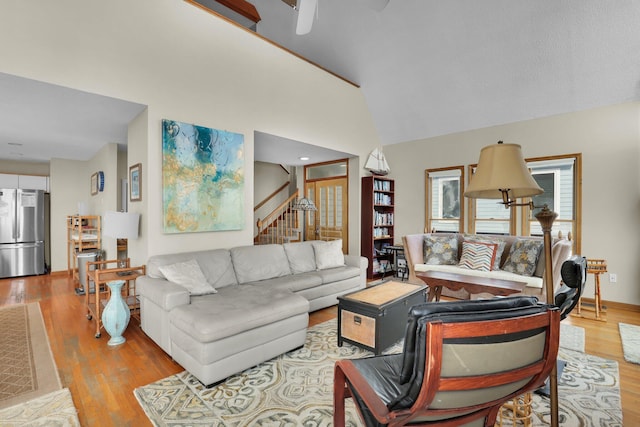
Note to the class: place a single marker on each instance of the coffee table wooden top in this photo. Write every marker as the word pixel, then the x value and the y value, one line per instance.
pixel 473 284
pixel 383 293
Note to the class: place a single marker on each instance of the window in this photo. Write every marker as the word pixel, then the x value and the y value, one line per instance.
pixel 488 216
pixel 559 177
pixel 445 210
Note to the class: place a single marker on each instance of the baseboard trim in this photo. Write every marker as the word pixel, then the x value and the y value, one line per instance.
pixel 614 304
pixel 58 273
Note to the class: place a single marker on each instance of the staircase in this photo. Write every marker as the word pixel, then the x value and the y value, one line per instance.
pixel 280 226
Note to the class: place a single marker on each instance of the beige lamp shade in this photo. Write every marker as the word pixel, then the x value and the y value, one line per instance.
pixel 501 172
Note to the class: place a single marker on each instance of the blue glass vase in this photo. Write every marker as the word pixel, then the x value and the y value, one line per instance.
pixel 115 316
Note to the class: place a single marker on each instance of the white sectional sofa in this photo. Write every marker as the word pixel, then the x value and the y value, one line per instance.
pixel 447 249
pixel 218 312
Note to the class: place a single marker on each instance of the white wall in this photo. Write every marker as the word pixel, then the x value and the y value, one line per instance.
pixel 106 160
pixel 185 65
pixel 609 140
pixel 24 168
pixel 70 184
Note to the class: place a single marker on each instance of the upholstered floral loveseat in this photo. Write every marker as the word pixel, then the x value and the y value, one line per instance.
pixel 519 258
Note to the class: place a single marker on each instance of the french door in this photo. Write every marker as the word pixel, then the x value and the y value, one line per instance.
pixel 329 222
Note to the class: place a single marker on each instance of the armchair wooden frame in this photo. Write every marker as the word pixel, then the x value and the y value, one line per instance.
pixel 348 380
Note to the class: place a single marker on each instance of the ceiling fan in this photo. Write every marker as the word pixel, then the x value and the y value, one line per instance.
pixel 308 9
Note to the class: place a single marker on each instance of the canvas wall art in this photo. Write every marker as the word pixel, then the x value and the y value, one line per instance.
pixel 203 178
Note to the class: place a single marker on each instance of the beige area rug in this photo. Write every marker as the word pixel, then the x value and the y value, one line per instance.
pixel 296 389
pixel 630 336
pixel 30 389
pixel 27 368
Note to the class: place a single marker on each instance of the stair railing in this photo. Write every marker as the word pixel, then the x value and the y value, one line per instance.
pixel 281 225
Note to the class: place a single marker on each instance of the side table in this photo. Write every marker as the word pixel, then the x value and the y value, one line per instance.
pixel 374 318
pixel 97 300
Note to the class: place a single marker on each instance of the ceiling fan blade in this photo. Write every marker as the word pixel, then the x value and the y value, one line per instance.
pixel 306 13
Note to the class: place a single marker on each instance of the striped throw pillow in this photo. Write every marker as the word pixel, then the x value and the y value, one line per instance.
pixel 478 256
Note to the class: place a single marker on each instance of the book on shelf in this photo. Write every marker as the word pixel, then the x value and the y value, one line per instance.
pixel 380 185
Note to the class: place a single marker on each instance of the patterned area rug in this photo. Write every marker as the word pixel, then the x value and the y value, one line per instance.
pixel 296 389
pixel 630 335
pixel 51 410
pixel 571 337
pixel 27 369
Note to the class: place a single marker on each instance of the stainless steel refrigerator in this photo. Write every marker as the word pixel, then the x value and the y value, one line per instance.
pixel 21 232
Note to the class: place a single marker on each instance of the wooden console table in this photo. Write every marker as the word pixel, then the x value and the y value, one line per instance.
pixel 95 301
pixel 436 280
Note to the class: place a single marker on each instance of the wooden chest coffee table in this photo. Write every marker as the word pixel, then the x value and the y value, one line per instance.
pixel 474 285
pixel 375 318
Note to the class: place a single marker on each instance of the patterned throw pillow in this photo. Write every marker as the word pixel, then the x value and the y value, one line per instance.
pixel 440 250
pixel 478 256
pixel 485 239
pixel 523 257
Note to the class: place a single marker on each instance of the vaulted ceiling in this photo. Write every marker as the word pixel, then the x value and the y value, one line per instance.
pixel 425 67
pixel 433 67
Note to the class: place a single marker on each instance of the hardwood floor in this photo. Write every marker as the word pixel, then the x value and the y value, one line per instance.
pixel 102 378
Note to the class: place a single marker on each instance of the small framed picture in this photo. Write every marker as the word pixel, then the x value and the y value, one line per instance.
pixel 94 184
pixel 135 182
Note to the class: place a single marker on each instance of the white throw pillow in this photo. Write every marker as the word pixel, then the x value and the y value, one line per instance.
pixel 188 275
pixel 328 254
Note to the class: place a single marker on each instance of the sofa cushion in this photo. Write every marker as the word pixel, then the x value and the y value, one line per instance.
pixel 188 275
pixel 259 262
pixel 293 283
pixel 330 275
pixel 301 256
pixel 442 250
pixel 215 265
pixel 531 281
pixel 235 309
pixel 478 255
pixel 328 254
pixel 523 257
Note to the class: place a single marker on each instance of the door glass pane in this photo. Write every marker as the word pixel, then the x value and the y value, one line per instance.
pixel 339 206
pixel 326 171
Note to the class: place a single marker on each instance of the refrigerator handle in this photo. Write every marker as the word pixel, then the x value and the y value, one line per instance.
pixel 16 223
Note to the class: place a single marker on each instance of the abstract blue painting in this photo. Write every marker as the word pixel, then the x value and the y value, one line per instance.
pixel 203 178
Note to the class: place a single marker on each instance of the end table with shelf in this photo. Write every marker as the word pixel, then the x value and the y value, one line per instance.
pixel 100 275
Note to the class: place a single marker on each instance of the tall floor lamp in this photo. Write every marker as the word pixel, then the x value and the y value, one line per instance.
pixel 503 174
pixel 304 204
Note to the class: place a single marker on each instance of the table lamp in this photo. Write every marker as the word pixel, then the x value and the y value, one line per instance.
pixel 503 174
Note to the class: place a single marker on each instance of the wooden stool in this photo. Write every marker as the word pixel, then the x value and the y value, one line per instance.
pixel 595 267
pixel 517 412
